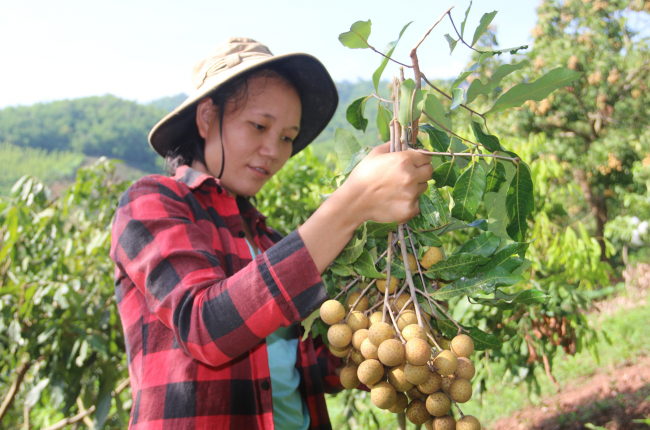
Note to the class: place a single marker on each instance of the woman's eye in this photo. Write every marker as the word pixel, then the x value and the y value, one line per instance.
pixel 259 126
pixel 288 139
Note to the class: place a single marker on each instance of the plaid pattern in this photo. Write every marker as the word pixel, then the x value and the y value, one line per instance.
pixel 196 309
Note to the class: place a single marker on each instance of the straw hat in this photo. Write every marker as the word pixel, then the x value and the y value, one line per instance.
pixel 239 55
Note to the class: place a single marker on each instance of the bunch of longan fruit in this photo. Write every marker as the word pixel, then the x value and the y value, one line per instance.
pixel 402 370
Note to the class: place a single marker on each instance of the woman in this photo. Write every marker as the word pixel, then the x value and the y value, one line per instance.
pixel 209 296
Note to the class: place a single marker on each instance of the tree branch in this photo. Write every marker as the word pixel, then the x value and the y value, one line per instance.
pixel 462 154
pixel 449 97
pixel 15 386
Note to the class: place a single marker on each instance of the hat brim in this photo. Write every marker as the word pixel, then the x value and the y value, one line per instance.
pixel 318 96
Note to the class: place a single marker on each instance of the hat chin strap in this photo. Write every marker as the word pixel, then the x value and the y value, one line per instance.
pixel 223 151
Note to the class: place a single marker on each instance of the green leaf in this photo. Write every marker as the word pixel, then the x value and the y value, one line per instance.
pixel 485 282
pixel 380 230
pixel 438 139
pixel 455 224
pixel 495 204
pixel 457 98
pixel 482 340
pixel 407 89
pixel 354 248
pixel 446 174
pixel 504 254
pixel 308 322
pixel 462 24
pixel 506 302
pixel 357 37
pixel 355 111
pixel 457 146
pixel 436 110
pixel 465 73
pixel 452 43
pixel 520 202
pixel 345 146
pixel 512 263
pixel 455 267
pixel 356 159
pixel 490 142
pixel 388 52
pixel 495 177
pixel 538 90
pixel 103 401
pixel 434 208
pixel 384 116
pixel 344 271
pixel 486 19
pixel 477 87
pixel 468 193
pixel 365 266
pixel 426 238
pixel 483 245
pixel 397 269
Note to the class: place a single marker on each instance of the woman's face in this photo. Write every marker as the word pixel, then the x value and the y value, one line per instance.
pixel 257 136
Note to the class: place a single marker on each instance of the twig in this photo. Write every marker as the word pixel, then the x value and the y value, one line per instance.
pixel 449 131
pixel 354 305
pixel 460 328
pixel 431 28
pixel 407 269
pixel 377 97
pixel 15 386
pixel 460 37
pixel 449 97
pixel 464 154
pixel 351 284
pixel 432 338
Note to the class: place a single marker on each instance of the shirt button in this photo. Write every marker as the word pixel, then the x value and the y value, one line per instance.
pixel 241 234
pixel 265 385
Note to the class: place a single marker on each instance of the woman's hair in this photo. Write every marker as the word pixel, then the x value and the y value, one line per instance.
pixel 235 93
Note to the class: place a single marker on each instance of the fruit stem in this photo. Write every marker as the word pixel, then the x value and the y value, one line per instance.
pixel 354 305
pixel 407 269
pixel 460 328
pixel 388 266
pixel 351 284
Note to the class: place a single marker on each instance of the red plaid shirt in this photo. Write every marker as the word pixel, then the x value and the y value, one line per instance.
pixel 196 309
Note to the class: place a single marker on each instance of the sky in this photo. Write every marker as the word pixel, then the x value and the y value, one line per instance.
pixel 143 49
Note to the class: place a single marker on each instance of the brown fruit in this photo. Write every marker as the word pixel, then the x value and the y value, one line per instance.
pixel 357 321
pixel 339 335
pixel 407 318
pixel 358 337
pixel 400 302
pixel 414 331
pixel 391 352
pixel 368 350
pixel 446 382
pixel 380 332
pixel 468 422
pixel 381 285
pixel 446 362
pixel 460 390
pixel 401 404
pixel 433 384
pixel 418 352
pixel 417 413
pixel 397 378
pixel 431 257
pixel 438 404
pixel 349 378
pixel 356 356
pixel 374 318
pixel 363 304
pixel 413 263
pixel 466 369
pixel 444 423
pixel 444 343
pixel 462 345
pixel 415 394
pixel 340 352
pixel 429 424
pixel 383 395
pixel 332 312
pixel 370 372
pixel 416 375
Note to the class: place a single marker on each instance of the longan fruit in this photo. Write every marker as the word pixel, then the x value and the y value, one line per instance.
pixel 462 345
pixel 460 390
pixel 369 350
pixel 418 352
pixel 414 331
pixel 446 382
pixel 391 352
pixel 468 422
pixel 380 332
pixel 415 394
pixel 370 372
pixel 340 352
pixel 466 369
pixel 363 304
pixel 358 337
pixel 407 318
pixel 438 404
pixel 416 375
pixel 339 335
pixel 401 404
pixel 349 378
pixel 374 318
pixel 401 301
pixel 356 356
pixel 332 312
pixel 444 343
pixel 446 362
pixel 433 384
pixel 413 262
pixel 444 423
pixel 429 424
pixel 397 378
pixel 417 413
pixel 383 395
pixel 431 257
pixel 381 285
pixel 357 321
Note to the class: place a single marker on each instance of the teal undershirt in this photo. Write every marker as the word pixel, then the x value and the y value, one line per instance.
pixel 290 410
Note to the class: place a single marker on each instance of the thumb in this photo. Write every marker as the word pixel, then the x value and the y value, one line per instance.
pixel 380 149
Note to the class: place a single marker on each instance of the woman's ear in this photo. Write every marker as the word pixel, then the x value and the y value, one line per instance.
pixel 205 112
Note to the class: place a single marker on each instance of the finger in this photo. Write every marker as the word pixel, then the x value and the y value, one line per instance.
pixel 423 173
pixel 384 148
pixel 418 158
pixel 422 188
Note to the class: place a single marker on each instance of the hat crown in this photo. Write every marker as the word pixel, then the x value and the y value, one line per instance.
pixel 228 55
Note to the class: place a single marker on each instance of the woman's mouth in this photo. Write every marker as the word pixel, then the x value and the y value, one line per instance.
pixel 259 171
